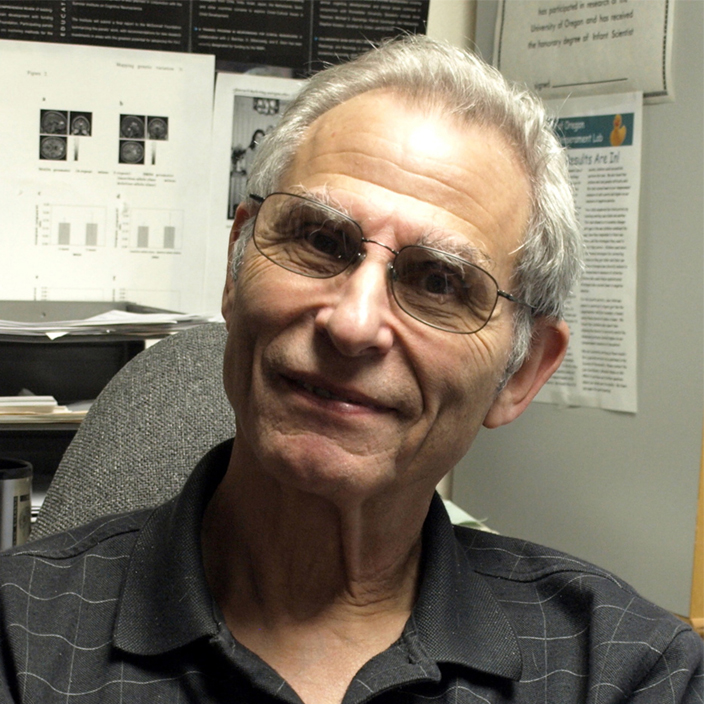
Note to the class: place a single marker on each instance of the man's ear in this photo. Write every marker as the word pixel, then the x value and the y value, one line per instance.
pixel 547 350
pixel 228 294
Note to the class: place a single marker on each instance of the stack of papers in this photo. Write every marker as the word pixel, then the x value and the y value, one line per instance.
pixel 37 409
pixel 114 321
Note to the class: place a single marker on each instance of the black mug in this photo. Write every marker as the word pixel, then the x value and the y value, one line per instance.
pixel 15 502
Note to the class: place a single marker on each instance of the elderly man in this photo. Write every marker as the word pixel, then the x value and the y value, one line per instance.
pixel 397 279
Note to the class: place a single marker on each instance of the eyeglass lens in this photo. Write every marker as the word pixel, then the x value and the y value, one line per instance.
pixel 314 240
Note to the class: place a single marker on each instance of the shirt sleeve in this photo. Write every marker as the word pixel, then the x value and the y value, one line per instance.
pixel 678 675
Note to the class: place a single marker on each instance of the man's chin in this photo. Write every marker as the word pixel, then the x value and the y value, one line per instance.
pixel 328 467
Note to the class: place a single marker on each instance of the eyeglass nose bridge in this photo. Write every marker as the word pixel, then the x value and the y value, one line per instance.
pixel 361 254
pixel 365 240
pixel 391 271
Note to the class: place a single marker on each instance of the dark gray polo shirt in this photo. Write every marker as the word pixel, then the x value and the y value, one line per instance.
pixel 119 611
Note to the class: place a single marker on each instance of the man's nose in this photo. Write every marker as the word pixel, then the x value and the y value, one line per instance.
pixel 358 320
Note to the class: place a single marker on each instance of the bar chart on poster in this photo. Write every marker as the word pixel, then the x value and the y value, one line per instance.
pixel 123 173
pixel 64 225
pixel 104 194
pixel 152 229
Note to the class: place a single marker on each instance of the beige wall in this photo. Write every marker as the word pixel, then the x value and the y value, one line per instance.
pixel 617 489
pixel 452 20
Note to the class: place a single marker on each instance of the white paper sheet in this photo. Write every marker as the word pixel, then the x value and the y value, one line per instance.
pixel 104 174
pixel 603 135
pixel 563 48
pixel 246 107
pixel 36 409
pixel 114 321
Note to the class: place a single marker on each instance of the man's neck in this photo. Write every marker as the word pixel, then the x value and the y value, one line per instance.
pixel 310 586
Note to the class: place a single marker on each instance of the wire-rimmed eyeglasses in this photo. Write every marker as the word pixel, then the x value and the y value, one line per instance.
pixel 437 288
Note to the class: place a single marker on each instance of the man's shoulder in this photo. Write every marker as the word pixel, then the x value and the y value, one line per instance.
pixel 535 584
pixel 585 617
pixel 514 559
pixel 58 600
pixel 107 538
pixel 521 567
pixel 86 565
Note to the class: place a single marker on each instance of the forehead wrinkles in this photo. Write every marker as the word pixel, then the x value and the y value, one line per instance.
pixel 482 183
pixel 424 233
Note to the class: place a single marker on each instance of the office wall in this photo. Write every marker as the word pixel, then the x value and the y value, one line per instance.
pixel 452 21
pixel 617 489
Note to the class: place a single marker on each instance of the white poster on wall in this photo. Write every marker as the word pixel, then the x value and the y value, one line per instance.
pixel 603 138
pixel 103 180
pixel 587 47
pixel 246 108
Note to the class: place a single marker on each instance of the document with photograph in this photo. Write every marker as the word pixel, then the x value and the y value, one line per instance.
pixel 246 108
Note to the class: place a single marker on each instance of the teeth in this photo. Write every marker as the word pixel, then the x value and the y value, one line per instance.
pixel 323 393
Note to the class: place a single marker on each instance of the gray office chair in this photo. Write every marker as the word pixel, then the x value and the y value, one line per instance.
pixel 145 432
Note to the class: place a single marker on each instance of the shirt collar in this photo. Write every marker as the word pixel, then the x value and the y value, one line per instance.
pixel 166 602
pixel 457 618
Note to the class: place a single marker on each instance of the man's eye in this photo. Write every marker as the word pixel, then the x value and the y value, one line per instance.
pixel 436 279
pixel 327 242
pixel 432 282
pixel 441 283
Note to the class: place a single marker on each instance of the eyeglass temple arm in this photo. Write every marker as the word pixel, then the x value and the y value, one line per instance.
pixel 513 299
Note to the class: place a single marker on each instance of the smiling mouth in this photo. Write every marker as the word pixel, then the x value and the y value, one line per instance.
pixel 330 396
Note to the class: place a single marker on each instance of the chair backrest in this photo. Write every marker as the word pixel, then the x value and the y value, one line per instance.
pixel 145 432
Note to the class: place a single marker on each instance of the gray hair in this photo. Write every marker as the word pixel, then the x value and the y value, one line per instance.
pixel 437 74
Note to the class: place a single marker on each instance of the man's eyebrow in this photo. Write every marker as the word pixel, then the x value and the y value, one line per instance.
pixel 437 239
pixel 323 197
pixel 433 237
